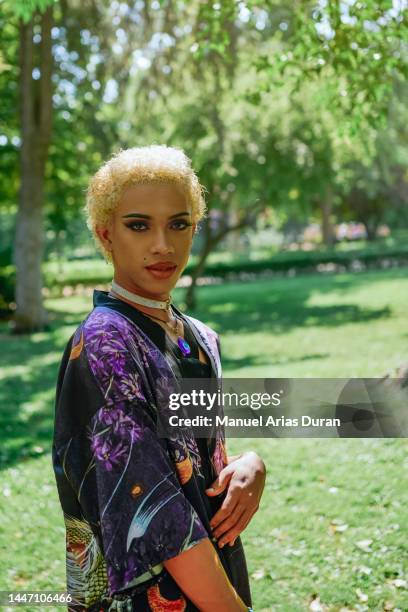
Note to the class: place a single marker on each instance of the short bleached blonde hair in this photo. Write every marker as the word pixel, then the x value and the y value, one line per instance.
pixel 150 164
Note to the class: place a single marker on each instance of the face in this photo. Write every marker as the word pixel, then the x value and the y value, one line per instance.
pixel 149 237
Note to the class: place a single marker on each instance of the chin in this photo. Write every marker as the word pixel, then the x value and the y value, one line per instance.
pixel 158 287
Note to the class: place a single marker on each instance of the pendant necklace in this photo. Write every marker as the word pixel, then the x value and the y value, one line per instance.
pixel 162 305
pixel 181 343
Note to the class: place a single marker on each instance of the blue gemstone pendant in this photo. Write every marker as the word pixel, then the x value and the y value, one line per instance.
pixel 183 346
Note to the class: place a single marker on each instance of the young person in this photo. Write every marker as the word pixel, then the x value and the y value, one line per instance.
pixel 152 523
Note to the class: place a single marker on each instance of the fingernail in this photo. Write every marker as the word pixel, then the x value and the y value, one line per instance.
pixel 210 490
pixel 221 544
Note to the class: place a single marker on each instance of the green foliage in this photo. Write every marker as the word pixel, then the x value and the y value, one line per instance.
pixel 239 86
pixel 24 9
pixel 9 127
pixel 214 22
pixel 355 50
pixel 80 139
pixel 7 283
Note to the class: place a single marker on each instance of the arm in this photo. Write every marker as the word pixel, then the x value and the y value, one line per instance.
pixel 200 575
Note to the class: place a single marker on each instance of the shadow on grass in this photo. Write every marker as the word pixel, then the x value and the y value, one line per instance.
pixel 258 360
pixel 29 369
pixel 250 309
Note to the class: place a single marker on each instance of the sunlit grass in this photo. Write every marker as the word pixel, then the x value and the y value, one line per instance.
pixel 332 523
pixel 343 325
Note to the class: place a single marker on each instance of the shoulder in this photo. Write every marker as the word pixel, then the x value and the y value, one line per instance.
pixel 110 338
pixel 103 321
pixel 102 331
pixel 107 330
pixel 101 343
pixel 107 346
pixel 101 335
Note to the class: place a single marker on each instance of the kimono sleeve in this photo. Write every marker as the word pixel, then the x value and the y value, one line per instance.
pixel 121 471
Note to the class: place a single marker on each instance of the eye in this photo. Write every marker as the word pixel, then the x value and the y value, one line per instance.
pixel 137 226
pixel 180 225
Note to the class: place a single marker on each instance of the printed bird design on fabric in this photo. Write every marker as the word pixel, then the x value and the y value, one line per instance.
pixel 85 563
pixel 145 514
pixel 158 603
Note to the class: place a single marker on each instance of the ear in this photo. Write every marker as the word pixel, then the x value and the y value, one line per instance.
pixel 104 235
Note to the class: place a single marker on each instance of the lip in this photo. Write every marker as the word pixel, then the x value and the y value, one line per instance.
pixel 162 266
pixel 162 269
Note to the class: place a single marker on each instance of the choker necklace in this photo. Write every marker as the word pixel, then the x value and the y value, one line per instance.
pixel 138 299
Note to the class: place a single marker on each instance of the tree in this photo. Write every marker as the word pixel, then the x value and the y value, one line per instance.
pixel 36 80
pixel 35 109
pixel 268 99
pixel 356 48
pixel 188 103
pixel 377 190
pixel 36 123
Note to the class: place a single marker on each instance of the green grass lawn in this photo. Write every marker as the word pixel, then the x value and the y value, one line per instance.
pixel 332 523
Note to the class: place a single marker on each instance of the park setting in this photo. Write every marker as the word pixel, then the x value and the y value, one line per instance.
pixel 294 116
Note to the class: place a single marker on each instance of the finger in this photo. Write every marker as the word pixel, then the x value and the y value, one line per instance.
pixel 220 483
pixel 228 506
pixel 235 531
pixel 230 521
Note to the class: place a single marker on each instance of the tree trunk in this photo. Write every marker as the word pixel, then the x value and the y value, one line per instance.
pixel 210 242
pixel 35 116
pixel 371 230
pixel 190 298
pixel 233 242
pixel 327 227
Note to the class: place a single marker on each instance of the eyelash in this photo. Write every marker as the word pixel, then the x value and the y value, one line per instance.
pixel 133 225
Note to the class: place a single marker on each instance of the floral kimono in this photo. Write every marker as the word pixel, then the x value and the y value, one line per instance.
pixel 130 498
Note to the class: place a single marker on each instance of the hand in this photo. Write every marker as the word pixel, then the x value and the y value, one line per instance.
pixel 244 479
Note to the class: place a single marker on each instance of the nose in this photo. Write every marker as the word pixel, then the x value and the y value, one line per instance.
pixel 161 244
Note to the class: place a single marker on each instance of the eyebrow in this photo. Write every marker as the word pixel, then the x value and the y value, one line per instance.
pixel 140 216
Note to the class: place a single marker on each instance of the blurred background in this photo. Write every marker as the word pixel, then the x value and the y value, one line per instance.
pixel 295 117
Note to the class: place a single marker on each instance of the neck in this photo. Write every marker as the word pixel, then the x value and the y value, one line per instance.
pixel 138 292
